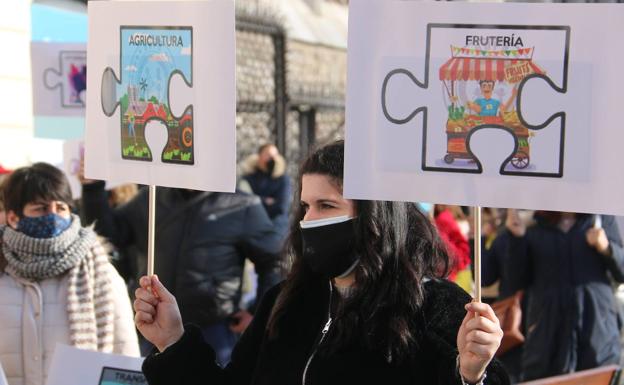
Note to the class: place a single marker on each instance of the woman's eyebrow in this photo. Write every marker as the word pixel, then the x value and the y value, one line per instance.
pixel 325 200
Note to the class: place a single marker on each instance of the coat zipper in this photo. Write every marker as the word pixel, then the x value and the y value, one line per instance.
pixel 323 334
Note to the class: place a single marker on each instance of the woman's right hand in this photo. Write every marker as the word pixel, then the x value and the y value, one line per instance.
pixel 157 315
pixel 514 223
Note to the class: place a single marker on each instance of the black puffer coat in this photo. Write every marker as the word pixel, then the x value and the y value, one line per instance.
pixel 200 249
pixel 572 315
pixel 282 361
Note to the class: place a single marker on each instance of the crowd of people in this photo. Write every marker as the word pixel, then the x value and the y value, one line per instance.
pixel 345 290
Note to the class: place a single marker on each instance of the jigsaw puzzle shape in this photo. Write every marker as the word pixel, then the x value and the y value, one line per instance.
pixel 483 84
pixel 70 78
pixel 151 59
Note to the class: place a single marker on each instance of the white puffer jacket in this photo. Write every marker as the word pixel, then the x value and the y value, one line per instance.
pixel 33 319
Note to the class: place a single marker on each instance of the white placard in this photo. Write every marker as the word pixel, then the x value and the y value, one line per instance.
pixel 59 78
pixel 46 150
pixel 161 100
pixel 73 151
pixel 501 105
pixel 3 380
pixel 71 366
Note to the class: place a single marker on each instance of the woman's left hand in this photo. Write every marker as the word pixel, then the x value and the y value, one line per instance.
pixel 478 340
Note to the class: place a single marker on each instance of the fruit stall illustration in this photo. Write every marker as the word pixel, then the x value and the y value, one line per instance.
pixel 497 74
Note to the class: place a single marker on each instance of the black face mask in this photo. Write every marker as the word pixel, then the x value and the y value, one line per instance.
pixel 270 166
pixel 329 249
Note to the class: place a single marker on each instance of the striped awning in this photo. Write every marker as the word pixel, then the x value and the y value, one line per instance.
pixel 465 68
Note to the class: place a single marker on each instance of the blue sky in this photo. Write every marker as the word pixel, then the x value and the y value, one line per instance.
pixel 58 25
pixel 154 64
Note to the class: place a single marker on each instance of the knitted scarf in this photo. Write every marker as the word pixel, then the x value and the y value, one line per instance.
pixel 78 253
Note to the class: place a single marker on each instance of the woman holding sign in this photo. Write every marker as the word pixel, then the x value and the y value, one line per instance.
pixel 56 284
pixel 364 302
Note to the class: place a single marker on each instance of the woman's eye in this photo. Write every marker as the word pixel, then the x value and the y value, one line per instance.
pixel 325 206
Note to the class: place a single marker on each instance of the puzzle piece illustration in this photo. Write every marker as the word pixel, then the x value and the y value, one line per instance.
pixel 151 59
pixel 70 77
pixel 486 81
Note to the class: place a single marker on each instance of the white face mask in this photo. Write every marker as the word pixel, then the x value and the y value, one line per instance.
pixel 324 222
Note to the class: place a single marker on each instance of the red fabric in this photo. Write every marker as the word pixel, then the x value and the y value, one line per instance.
pixel 4 171
pixel 456 244
pixel 473 68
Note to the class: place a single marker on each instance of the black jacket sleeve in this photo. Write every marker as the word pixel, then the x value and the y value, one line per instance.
pixel 444 315
pixel 113 224
pixel 262 245
pixel 489 267
pixel 518 267
pixel 282 198
pixel 615 262
pixel 191 361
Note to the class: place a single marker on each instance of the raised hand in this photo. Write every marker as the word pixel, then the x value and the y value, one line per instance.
pixel 157 315
pixel 597 238
pixel 478 340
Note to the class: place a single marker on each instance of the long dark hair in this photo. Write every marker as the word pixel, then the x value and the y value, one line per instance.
pixel 398 247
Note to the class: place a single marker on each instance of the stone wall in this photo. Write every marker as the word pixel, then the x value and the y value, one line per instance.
pixel 316 77
pixel 255 70
pixel 255 83
pixel 329 126
pixel 316 74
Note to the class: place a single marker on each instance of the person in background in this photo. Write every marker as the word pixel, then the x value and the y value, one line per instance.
pixel 202 242
pixel 564 262
pixel 2 210
pixel 495 258
pixel 365 302
pixel 446 220
pixel 4 173
pixel 123 194
pixel 128 261
pixel 56 284
pixel 266 174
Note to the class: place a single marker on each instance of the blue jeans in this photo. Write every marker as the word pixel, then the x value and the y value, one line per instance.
pixel 222 340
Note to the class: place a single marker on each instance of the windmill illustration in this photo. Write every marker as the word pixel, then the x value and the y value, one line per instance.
pixel 143 87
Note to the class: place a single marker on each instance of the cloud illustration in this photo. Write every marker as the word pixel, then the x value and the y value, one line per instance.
pixel 159 57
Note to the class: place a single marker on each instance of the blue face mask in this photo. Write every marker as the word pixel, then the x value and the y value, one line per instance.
pixel 47 226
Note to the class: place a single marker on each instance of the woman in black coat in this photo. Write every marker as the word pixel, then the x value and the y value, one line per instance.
pixel 365 302
pixel 566 264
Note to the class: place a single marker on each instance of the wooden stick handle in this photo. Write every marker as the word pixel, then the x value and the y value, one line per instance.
pixel 477 252
pixel 151 229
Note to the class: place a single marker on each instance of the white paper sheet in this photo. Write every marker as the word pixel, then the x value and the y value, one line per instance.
pixel 3 380
pixel 413 131
pixel 73 150
pixel 59 78
pixel 71 366
pixel 161 94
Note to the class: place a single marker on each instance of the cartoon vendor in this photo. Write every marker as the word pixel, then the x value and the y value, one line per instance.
pixel 488 106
